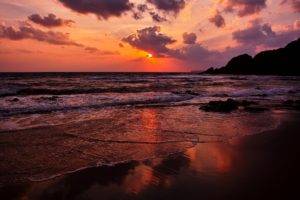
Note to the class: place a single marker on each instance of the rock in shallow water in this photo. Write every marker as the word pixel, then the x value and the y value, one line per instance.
pixel 292 104
pixel 188 92
pixel 220 106
pixel 14 100
pixel 227 106
pixel 255 109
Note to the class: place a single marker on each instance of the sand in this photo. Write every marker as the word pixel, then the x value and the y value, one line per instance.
pixel 262 166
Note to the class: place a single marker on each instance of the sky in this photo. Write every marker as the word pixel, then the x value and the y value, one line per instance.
pixel 139 35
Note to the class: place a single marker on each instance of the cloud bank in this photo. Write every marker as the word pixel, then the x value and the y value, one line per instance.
pixel 29 32
pixel 104 9
pixel 217 19
pixel 49 21
pixel 168 5
pixel 262 34
pixel 150 40
pixel 189 38
pixel 244 7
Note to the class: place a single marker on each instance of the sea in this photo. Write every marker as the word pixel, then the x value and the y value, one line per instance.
pixel 65 122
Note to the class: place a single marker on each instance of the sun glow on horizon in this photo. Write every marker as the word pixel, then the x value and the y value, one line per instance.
pixel 117 37
pixel 149 55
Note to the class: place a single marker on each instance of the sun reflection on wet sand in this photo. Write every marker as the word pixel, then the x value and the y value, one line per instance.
pixel 149 123
pixel 194 172
pixel 213 157
pixel 150 164
pixel 138 179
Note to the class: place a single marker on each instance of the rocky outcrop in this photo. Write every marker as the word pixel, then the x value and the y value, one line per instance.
pixel 283 61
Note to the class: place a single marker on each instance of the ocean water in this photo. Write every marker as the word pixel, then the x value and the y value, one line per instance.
pixel 64 122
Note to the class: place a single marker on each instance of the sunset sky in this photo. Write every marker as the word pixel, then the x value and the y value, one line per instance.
pixel 140 35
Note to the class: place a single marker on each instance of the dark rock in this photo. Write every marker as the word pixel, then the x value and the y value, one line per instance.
pixel 283 61
pixel 210 71
pixel 255 109
pixel 238 78
pixel 288 102
pixel 189 92
pixel 14 100
pixel 221 106
pixel 52 98
pixel 258 88
pixel 261 95
pixel 292 104
pixel 292 92
pixel 226 106
pixel 221 95
pixel 247 103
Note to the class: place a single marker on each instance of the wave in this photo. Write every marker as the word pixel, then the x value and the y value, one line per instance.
pixel 44 91
pixel 262 92
pixel 46 104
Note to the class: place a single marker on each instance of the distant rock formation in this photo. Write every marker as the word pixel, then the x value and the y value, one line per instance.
pixel 283 61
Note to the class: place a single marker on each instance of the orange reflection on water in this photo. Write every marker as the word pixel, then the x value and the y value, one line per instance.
pixel 141 176
pixel 149 118
pixel 149 124
pixel 213 157
pixel 138 179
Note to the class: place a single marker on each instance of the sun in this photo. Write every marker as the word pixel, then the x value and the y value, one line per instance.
pixel 149 55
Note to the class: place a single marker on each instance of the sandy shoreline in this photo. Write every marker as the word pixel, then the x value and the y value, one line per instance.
pixel 259 166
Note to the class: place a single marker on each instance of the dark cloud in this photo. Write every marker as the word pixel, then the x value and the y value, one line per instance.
pixel 23 51
pixel 100 52
pixel 104 9
pixel 137 15
pixel 142 7
pixel 256 32
pixel 49 21
pixel 157 18
pixel 91 49
pixel 189 38
pixel 28 32
pixel 109 53
pixel 139 11
pixel 262 34
pixel 218 20
pixel 151 40
pixel 199 55
pixel 168 5
pixel 244 7
pixel 295 4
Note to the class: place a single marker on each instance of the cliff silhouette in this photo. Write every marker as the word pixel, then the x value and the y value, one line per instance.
pixel 282 61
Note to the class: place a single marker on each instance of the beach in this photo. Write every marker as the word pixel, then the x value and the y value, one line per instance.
pixel 149 99
pixel 148 136
pixel 261 166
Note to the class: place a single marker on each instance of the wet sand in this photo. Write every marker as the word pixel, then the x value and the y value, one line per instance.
pixel 262 166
